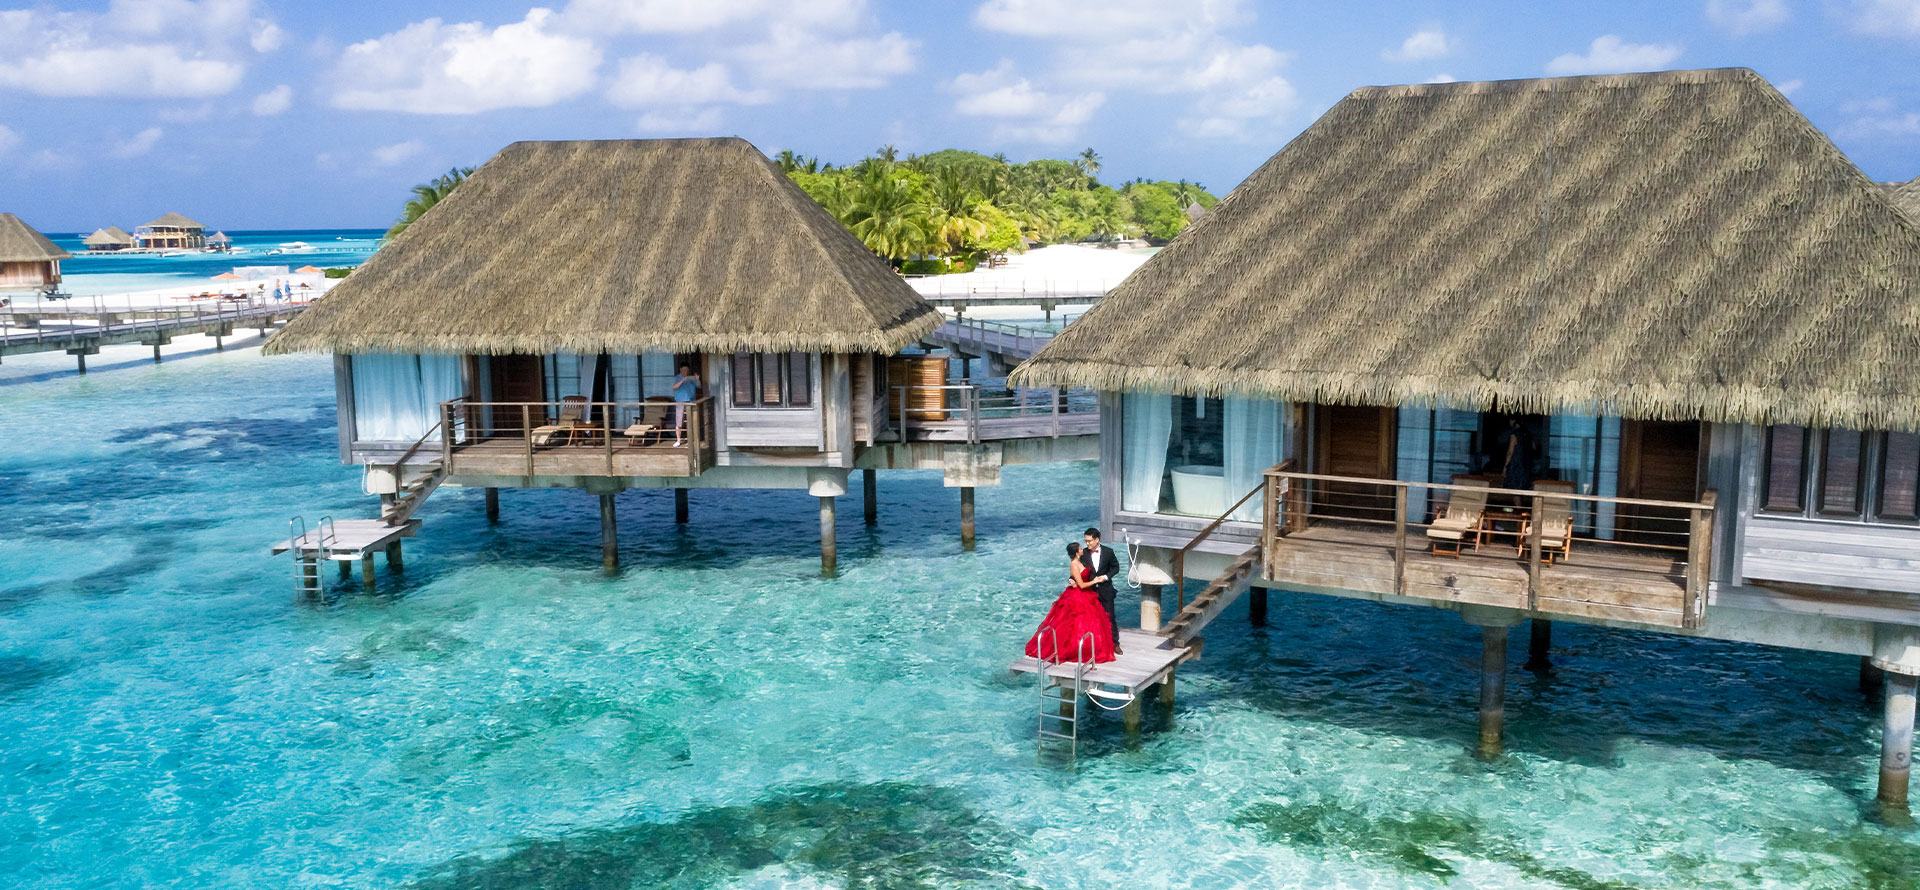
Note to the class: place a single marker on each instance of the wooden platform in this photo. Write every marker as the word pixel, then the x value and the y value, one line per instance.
pixel 508 457
pixel 353 539
pixel 1147 659
pixel 1600 581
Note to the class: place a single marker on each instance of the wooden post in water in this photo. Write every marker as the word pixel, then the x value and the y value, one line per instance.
pixel 394 562
pixel 1166 693
pixel 1257 606
pixel 1130 716
pixel 829 555
pixel 493 504
pixel 966 518
pixel 156 353
pixel 870 493
pixel 366 569
pixel 680 506
pixel 1150 608
pixel 346 571
pixel 609 536
pixel 1539 640
pixel 1493 689
pixel 1896 744
pixel 1873 680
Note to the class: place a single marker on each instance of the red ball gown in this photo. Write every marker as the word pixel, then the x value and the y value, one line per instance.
pixel 1074 615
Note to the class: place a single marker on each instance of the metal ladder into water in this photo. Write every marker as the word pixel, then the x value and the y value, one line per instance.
pixel 1060 702
pixel 306 569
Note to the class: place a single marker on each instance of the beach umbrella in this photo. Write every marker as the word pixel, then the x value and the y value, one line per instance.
pixel 310 270
pixel 226 276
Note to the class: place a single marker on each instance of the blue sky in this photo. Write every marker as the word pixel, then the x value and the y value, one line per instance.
pixel 268 114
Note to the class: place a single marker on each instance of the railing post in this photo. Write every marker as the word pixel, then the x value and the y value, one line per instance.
pixel 606 434
pixel 1269 518
pixel 1699 550
pixel 1179 580
pixel 1399 539
pixel 1533 553
pixel 526 436
pixel 446 437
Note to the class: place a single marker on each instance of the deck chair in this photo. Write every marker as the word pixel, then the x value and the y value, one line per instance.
pixel 1556 522
pixel 651 427
pixel 573 413
pixel 1462 519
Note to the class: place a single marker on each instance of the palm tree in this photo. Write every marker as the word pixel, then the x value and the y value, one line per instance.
pixel 953 216
pixel 426 195
pixel 787 160
pixel 887 219
pixel 1089 161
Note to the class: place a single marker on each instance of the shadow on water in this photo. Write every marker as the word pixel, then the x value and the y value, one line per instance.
pixel 145 360
pixel 1402 670
pixel 19 673
pixel 885 836
pixel 149 552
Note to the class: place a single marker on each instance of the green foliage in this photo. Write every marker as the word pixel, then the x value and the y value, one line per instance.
pixel 955 203
pixel 426 195
pixel 336 272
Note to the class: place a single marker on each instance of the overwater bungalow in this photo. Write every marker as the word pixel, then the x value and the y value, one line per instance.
pixel 1640 351
pixel 466 353
pixel 171 232
pixel 28 260
pixel 220 242
pixel 109 239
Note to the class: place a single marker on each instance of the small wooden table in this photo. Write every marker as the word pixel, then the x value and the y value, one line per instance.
pixel 1494 520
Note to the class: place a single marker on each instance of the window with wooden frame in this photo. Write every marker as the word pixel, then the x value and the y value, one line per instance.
pixel 1841 474
pixel 772 380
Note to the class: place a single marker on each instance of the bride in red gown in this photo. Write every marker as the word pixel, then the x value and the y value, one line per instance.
pixel 1074 615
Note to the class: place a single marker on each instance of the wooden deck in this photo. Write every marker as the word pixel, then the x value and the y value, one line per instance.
pixel 352 539
pixel 1146 659
pixel 1600 581
pixel 509 456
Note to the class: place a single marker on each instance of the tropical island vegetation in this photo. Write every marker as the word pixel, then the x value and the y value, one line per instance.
pixel 947 210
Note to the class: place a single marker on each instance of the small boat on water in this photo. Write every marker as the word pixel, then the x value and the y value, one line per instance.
pixel 292 247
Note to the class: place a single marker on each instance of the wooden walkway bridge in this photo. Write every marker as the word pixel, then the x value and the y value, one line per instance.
pixel 81 331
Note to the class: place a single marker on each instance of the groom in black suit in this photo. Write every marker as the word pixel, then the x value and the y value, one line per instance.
pixel 1101 564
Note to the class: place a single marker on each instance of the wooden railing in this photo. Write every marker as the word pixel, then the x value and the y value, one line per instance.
pixel 576 429
pixel 1633 559
pixel 1180 556
pixel 977 409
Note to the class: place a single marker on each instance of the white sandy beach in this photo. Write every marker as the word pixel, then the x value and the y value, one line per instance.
pixel 1060 268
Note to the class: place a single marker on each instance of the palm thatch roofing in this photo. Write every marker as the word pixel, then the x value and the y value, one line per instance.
pixel 20 243
pixel 685 245
pixel 1675 245
pixel 109 237
pixel 1905 195
pixel 173 221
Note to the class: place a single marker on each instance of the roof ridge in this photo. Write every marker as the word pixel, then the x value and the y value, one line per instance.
pixel 1560 84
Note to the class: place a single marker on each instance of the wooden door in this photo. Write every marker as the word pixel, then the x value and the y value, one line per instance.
pixel 1659 461
pixel 1354 441
pixel 517 378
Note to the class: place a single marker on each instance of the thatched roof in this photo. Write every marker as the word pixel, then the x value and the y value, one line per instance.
pixel 1675 245
pixel 107 236
pixel 19 243
pixel 1905 195
pixel 619 246
pixel 173 221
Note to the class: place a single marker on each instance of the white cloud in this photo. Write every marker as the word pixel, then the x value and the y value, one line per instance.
pixel 797 58
pixel 1747 16
pixel 1611 55
pixel 273 101
pixel 1442 77
pixel 9 140
pixel 1887 18
pixel 430 67
pixel 1097 19
pixel 1426 44
pixel 186 114
pixel 135 49
pixel 685 17
pixel 141 143
pixel 1879 118
pixel 686 122
pixel 1025 114
pixel 397 153
pixel 647 81
pixel 1790 87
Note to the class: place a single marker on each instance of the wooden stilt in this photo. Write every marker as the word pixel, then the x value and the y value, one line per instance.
pixel 680 506
pixel 219 343
pixel 609 536
pixel 1539 640
pixel 1257 606
pixel 829 555
pixel 870 493
pixel 1493 690
pixel 966 517
pixel 1150 607
pixel 83 362
pixel 366 570
pixel 493 505
pixel 1896 744
pixel 1873 681
pixel 1130 715
pixel 156 353
pixel 394 562
pixel 346 571
pixel 1166 692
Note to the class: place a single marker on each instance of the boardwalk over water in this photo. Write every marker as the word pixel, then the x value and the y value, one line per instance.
pixel 81 331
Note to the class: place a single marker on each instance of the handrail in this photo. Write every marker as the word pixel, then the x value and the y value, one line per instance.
pixel 1180 556
pixel 1510 492
pixel 399 466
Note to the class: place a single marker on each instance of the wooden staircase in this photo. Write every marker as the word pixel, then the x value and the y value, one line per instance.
pixel 413 494
pixel 1219 594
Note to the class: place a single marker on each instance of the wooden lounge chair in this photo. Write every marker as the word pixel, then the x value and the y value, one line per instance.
pixel 573 413
pixel 1556 522
pixel 1462 520
pixel 650 428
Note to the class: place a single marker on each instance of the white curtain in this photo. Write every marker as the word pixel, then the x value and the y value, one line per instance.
pixel 1415 455
pixel 1148 422
pixel 396 398
pixel 1256 432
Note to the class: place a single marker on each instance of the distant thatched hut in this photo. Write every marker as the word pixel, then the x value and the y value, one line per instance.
pixel 28 261
pixel 109 239
pixel 220 241
pixel 653 254
pixel 172 232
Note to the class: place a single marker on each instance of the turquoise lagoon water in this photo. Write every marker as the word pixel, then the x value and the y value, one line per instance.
pixel 503 715
pixel 120 273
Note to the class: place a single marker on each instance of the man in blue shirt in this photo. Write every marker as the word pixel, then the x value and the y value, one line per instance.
pixel 686 388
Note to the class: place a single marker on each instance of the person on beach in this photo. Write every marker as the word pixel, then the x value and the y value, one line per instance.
pixel 1101 564
pixel 686 388
pixel 1077 628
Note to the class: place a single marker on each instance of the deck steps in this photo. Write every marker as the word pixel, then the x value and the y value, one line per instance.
pixel 413 494
pixel 1218 595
